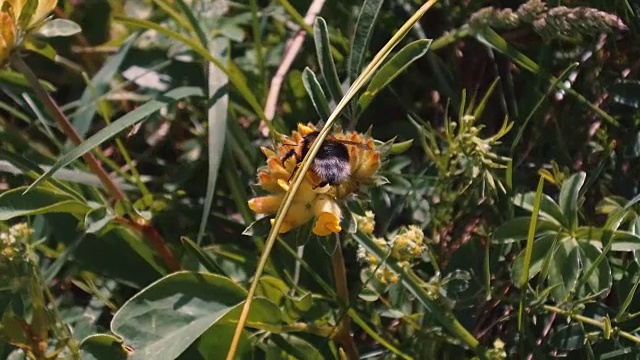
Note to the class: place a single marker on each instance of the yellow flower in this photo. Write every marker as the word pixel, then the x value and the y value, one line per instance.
pixel 14 24
pixel 7 36
pixel 43 8
pixel 311 201
pixel 366 223
pixel 298 215
pixel 328 216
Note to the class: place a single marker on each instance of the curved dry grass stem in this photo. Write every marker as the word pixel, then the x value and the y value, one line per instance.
pixel 365 76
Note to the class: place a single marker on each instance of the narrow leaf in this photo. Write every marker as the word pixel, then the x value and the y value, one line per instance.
pixel 41 200
pixel 364 29
pixel 327 66
pixel 100 83
pixel 59 28
pixel 316 94
pixel 548 208
pixel 389 71
pixel 117 126
pixel 217 128
pixel 569 198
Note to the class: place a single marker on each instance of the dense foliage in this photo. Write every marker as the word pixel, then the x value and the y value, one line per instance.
pixel 154 203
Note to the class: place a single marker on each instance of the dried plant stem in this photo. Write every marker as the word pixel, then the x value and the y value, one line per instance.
pixel 343 335
pixel 294 44
pixel 65 126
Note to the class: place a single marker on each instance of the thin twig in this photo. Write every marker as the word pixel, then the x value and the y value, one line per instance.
pixel 65 126
pixel 294 44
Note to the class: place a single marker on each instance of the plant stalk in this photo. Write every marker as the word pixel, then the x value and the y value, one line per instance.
pixel 343 335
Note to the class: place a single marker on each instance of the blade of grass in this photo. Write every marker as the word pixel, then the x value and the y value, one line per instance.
pixel 217 127
pixel 495 41
pixel 235 75
pixel 117 126
pixel 100 82
pixel 306 164
pixel 529 249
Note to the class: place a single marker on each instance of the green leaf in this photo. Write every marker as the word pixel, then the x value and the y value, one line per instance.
pixel 137 266
pixel 102 346
pixel 41 200
pixel 10 77
pixel 399 148
pixel 622 240
pixel 601 279
pixel 202 256
pixel 362 35
pixel 564 268
pixel 569 198
pixel 540 249
pixel 100 84
pixel 117 126
pixel 217 128
pixel 59 28
pixel 316 94
pixel 516 230
pixel 549 210
pixel 327 66
pixel 389 71
pixel 164 319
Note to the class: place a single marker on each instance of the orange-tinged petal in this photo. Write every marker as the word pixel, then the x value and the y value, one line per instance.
pixel 265 204
pixel 7 36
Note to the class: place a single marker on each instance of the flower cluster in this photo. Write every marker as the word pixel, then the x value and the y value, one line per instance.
pixel 14 25
pixel 580 21
pixel 405 246
pixel 13 255
pixel 311 201
pixel 549 23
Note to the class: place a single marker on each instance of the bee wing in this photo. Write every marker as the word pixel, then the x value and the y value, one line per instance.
pixel 353 143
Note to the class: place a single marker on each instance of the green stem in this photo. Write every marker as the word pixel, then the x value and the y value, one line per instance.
pixel 65 125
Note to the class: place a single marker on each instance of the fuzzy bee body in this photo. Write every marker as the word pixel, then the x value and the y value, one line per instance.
pixel 332 162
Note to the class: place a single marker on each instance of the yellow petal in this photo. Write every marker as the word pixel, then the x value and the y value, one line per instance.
pixel 327 224
pixel 297 215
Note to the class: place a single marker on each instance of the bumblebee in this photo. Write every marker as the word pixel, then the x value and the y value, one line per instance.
pixel 332 162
